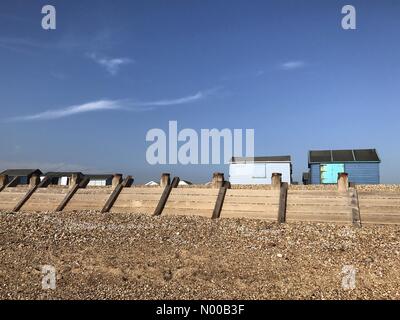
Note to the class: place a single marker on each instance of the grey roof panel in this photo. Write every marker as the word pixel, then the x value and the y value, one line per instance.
pixel 20 172
pixel 366 155
pixel 320 156
pixel 342 155
pixel 358 155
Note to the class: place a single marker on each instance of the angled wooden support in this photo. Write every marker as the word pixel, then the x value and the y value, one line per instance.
pixel 34 186
pixel 68 197
pixel 79 183
pixel 127 182
pixel 13 182
pixel 164 197
pixel 283 202
pixel 45 182
pixel 111 199
pixel 220 200
pixel 84 182
pixel 175 182
pixel 355 210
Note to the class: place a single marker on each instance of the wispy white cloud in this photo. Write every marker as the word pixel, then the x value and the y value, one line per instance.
pixel 72 110
pixel 103 105
pixel 177 101
pixel 168 102
pixel 112 65
pixel 72 44
pixel 291 65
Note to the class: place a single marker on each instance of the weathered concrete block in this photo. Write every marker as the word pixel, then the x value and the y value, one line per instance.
pixel 75 179
pixel 276 180
pixel 3 180
pixel 165 180
pixel 343 182
pixel 34 180
pixel 117 179
pixel 218 180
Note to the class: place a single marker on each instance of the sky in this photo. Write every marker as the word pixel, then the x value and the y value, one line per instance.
pixel 83 96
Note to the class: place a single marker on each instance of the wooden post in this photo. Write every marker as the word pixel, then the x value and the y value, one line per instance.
pixel 220 200
pixel 355 210
pixel 276 180
pixel 164 197
pixel 77 183
pixel 128 181
pixel 165 180
pixel 84 182
pixel 13 183
pixel 45 182
pixel 114 195
pixel 217 180
pixel 34 182
pixel 117 179
pixel 283 202
pixel 343 182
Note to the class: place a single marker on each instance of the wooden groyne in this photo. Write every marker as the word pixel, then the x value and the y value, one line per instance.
pixel 341 203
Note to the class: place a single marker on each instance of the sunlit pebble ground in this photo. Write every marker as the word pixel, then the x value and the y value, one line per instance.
pixel 133 256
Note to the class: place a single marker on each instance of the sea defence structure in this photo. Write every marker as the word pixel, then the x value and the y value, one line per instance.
pixel 334 203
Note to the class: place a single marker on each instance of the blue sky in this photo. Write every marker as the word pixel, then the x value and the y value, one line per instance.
pixel 285 68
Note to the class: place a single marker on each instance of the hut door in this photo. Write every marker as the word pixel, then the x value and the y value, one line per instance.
pixel 329 172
